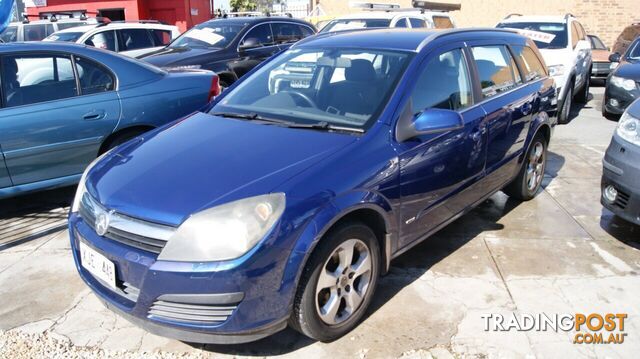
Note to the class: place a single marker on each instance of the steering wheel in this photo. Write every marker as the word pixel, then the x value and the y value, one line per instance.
pixel 304 97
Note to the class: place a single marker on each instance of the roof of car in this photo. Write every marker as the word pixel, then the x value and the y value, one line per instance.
pixel 377 15
pixel 397 39
pixel 256 19
pixel 534 18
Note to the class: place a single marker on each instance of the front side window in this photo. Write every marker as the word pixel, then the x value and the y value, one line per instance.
pixel 351 24
pixel 33 79
pixel 134 39
pixel 444 83
pixel 633 53
pixel 103 40
pixel 93 77
pixel 10 34
pixel 161 37
pixel 339 87
pixel 533 67
pixel 402 23
pixel 495 69
pixel 546 35
pixel 417 23
pixel 260 35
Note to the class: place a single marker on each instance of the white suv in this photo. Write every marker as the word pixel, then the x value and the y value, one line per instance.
pixel 565 48
pixel 391 18
pixel 37 30
pixel 133 39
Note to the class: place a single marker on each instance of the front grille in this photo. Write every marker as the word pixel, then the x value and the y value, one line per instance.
pixel 622 199
pixel 150 237
pixel 206 314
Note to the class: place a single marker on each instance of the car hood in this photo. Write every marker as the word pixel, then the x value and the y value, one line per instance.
pixel 628 70
pixel 554 57
pixel 203 161
pixel 180 56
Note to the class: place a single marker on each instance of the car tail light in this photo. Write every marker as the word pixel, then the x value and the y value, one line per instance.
pixel 215 87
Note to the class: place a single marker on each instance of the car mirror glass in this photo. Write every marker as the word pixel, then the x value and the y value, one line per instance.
pixel 615 57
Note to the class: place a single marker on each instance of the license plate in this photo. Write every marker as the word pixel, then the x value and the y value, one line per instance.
pixel 98 265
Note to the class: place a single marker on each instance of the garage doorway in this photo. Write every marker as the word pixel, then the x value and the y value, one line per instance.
pixel 112 14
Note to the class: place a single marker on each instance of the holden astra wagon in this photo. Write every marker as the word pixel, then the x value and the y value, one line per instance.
pixel 285 203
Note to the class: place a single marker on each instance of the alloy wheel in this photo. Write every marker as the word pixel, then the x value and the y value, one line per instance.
pixel 343 282
pixel 535 167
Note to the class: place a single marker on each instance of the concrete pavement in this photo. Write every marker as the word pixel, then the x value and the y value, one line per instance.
pixel 559 253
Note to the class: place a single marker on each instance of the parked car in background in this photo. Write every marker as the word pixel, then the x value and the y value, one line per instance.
pixel 625 38
pixel 623 85
pixel 39 29
pixel 65 104
pixel 285 206
pixel 566 50
pixel 600 54
pixel 621 173
pixel 131 38
pixel 231 47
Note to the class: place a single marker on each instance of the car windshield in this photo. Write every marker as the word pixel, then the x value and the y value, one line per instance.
pixel 546 35
pixel 634 51
pixel 217 33
pixel 350 24
pixel 339 87
pixel 596 43
pixel 64 36
pixel 10 34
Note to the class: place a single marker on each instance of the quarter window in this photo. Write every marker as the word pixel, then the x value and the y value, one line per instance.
pixel 261 34
pixel 93 77
pixel 531 64
pixel 495 69
pixel 133 39
pixel 444 84
pixel 33 79
pixel 442 22
pixel 103 40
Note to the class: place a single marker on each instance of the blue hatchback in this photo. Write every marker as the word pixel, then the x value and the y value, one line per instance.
pixel 285 203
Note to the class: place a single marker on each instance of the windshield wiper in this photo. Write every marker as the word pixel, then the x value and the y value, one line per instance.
pixel 323 125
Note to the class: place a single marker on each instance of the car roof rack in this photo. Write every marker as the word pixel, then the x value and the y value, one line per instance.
pixel 105 21
pixel 513 14
pixel 436 6
pixel 280 13
pixel 242 14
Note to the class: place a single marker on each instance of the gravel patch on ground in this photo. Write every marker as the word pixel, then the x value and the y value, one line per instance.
pixel 19 345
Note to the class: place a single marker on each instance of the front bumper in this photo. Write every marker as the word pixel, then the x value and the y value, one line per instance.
pixel 622 171
pixel 600 70
pixel 221 302
pixel 617 99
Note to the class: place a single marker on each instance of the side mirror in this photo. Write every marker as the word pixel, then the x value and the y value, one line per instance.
pixel 432 120
pixel 615 57
pixel 249 43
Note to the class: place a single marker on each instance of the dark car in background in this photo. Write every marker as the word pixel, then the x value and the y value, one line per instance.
pixel 601 66
pixel 231 47
pixel 63 104
pixel 621 174
pixel 623 85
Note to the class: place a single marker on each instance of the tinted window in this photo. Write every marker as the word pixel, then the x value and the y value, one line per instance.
pixel 10 34
pixel 161 37
pixel 348 24
pixel 103 40
pixel 32 79
pixel 442 22
pixel 35 32
pixel 283 32
pixel 402 23
pixel 494 69
pixel 93 77
pixel 531 64
pixel 444 84
pixel 417 22
pixel 261 34
pixel 133 39
pixel 558 32
pixel 306 31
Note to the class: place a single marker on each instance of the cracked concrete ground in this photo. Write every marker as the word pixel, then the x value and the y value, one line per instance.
pixel 560 253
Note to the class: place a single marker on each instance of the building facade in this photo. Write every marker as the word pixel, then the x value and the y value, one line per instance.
pixel 182 13
pixel 605 18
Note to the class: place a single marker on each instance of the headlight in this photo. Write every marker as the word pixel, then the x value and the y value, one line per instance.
pixel 81 186
pixel 623 83
pixel 183 67
pixel 556 70
pixel 629 128
pixel 224 232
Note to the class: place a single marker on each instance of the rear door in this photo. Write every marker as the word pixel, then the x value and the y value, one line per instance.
pixel 54 116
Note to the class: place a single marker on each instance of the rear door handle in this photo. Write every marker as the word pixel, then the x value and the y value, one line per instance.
pixel 94 115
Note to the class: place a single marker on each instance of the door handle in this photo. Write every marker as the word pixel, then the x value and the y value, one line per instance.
pixel 477 135
pixel 93 115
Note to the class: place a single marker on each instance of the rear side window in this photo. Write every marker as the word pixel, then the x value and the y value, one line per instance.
pixel 495 69
pixel 415 22
pixel 133 39
pixel 33 79
pixel 444 84
pixel 161 37
pixel 285 32
pixel 442 22
pixel 93 77
pixel 10 34
pixel 402 23
pixel 103 40
pixel 531 64
pixel 37 32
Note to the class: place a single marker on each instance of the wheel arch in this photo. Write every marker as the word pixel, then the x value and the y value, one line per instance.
pixel 135 129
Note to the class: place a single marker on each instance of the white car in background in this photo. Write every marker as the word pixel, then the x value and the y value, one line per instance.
pixel 566 49
pixel 133 38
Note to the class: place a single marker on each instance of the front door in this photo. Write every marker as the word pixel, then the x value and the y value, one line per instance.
pixel 262 46
pixel 436 170
pixel 5 180
pixel 50 128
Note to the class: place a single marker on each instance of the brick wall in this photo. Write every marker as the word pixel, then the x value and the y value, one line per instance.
pixel 605 18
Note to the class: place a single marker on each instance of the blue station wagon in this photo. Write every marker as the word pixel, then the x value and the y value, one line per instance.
pixel 285 203
pixel 63 104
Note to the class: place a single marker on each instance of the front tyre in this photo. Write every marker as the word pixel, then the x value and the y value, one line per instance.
pixel 565 109
pixel 525 186
pixel 583 95
pixel 338 283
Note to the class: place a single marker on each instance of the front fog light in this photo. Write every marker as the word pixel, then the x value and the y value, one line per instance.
pixel 613 102
pixel 610 193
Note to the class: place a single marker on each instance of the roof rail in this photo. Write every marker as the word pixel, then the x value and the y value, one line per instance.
pixel 105 23
pixel 280 13
pixel 568 15
pixel 436 6
pixel 511 15
pixel 374 6
pixel 242 13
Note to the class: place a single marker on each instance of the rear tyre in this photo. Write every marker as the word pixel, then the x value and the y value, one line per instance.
pixel 526 185
pixel 338 283
pixel 565 109
pixel 583 96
